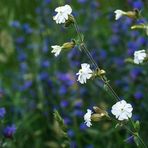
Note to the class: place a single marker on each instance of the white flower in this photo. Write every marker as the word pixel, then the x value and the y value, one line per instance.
pixel 56 50
pixel 87 117
pixel 62 14
pixel 122 110
pixel 119 13
pixel 139 56
pixel 84 73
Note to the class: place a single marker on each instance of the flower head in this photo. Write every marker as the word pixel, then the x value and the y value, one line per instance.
pixel 139 56
pixel 62 14
pixel 84 73
pixel 87 117
pixel 56 50
pixel 122 110
pixel 9 131
pixel 2 112
pixel 119 13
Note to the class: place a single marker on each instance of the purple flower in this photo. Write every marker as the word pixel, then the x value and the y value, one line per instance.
pixel 134 73
pixel 9 131
pixel 64 103
pixel 138 95
pixel 71 133
pixel 138 4
pixel 82 1
pixel 15 24
pixel 2 112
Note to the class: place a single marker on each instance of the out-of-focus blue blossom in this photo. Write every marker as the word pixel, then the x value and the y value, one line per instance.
pixel 78 104
pixel 63 90
pixel 83 126
pixel 138 4
pixel 135 72
pixel 47 1
pixel 136 117
pixel 26 85
pixel 45 63
pixel 67 121
pixel 119 61
pixel 73 144
pixel 43 76
pixel 102 54
pixel 114 39
pixel 89 146
pixel 138 95
pixel 78 113
pixel 82 1
pixel 130 139
pixel 15 24
pixel 20 40
pixel 2 112
pixel 64 103
pixel 26 28
pixel 66 78
pixel 70 133
pixel 22 57
pixel 9 131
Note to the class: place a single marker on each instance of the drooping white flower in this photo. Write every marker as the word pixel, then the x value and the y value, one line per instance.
pixel 87 118
pixel 122 110
pixel 139 56
pixel 56 50
pixel 84 73
pixel 62 14
pixel 119 13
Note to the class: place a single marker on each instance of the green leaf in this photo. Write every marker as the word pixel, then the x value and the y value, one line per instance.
pixel 136 140
pixel 137 126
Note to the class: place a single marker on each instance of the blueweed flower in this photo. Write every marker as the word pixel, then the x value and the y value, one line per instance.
pixel 122 110
pixel 2 112
pixel 64 103
pixel 15 24
pixel 9 131
pixel 62 14
pixel 138 4
pixel 139 56
pixel 84 73
pixel 87 118
pixel 138 95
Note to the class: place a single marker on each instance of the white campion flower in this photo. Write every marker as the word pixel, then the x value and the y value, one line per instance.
pixel 122 110
pixel 62 14
pixel 119 13
pixel 87 118
pixel 84 73
pixel 56 50
pixel 139 56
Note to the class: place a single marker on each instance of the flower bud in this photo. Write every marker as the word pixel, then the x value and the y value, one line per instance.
pixel 69 45
pixel 96 117
pixel 100 72
pixel 99 110
pixel 69 21
pixel 135 14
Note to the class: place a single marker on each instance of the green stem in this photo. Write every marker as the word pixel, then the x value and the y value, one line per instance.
pixel 83 46
pixel 103 78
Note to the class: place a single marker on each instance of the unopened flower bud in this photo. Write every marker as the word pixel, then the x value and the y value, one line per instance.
pixel 69 45
pixel 133 14
pixel 69 21
pixel 96 117
pixel 101 72
pixel 100 111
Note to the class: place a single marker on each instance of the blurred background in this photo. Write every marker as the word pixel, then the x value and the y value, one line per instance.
pixel 33 83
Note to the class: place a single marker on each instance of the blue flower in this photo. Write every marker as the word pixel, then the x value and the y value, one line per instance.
pixel 9 131
pixel 2 112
